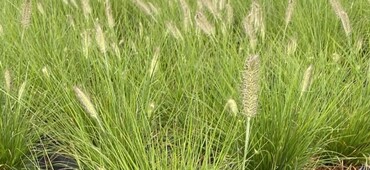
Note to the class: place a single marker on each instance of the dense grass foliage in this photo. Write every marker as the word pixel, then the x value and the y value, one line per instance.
pixel 150 84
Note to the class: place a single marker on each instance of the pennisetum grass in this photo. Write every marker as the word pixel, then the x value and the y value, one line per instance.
pixel 229 14
pixel 289 12
pixel 86 8
pixel 21 90
pixel 154 63
pixel 249 92
pixel 109 14
pixel 100 40
pixel 186 15
pixel 212 8
pixel 87 104
pixel 74 3
pixel 175 32
pixel 254 25
pixel 26 14
pixel 232 107
pixel 40 8
pixel 8 80
pixel 203 24
pixel 307 79
pixel 86 42
pixel 292 46
pixel 342 15
pixel 144 7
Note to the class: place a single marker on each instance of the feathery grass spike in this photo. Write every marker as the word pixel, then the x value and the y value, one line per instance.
pixel 289 12
pixel 229 14
pixel 233 107
pixel 86 42
pixel 175 32
pixel 109 14
pixel 204 24
pixel 21 90
pixel 251 86
pixel 26 13
pixel 186 14
pixel 1 30
pixel 99 37
pixel 144 7
pixel 8 80
pixel 40 8
pixel 342 15
pixel 307 78
pixel 155 62
pixel 86 102
pixel 86 8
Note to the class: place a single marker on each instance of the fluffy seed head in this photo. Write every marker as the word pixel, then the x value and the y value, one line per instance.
pixel 108 13
pixel 85 102
pixel 186 14
pixel 86 42
pixel 221 5
pixel 229 14
pixel 86 8
pixel 342 15
pixel 21 90
pixel 116 49
pixel 74 3
pixel 251 86
pixel 154 9
pixel 144 7
pixel 292 46
pixel 289 12
pixel 155 62
pixel 336 57
pixel 8 80
pixel 175 32
pixel 40 8
pixel 1 30
pixel 45 71
pixel 99 37
pixel 204 24
pixel 151 108
pixel 211 6
pixel 307 78
pixel 233 107
pixel 26 13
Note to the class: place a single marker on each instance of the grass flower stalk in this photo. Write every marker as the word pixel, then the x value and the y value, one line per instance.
pixel 86 8
pixel 175 32
pixel 342 15
pixel 87 104
pixel 26 14
pixel 232 107
pixel 186 14
pixel 307 78
pixel 289 12
pixel 250 96
pixel 203 24
pixel 109 14
pixel 8 80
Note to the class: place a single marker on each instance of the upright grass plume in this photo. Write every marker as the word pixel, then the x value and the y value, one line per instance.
pixel 250 86
pixel 254 25
pixel 186 14
pixel 203 24
pixel 86 8
pixel 342 15
pixel 26 14
pixel 307 78
pixel 40 8
pixel 8 80
pixel 212 8
pixel 155 62
pixel 289 12
pixel 175 32
pixel 86 42
pixel 22 88
pixel 229 14
pixel 109 14
pixel 99 37
pixel 250 96
pixel 85 102
pixel 144 7
pixel 232 107
pixel 1 30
